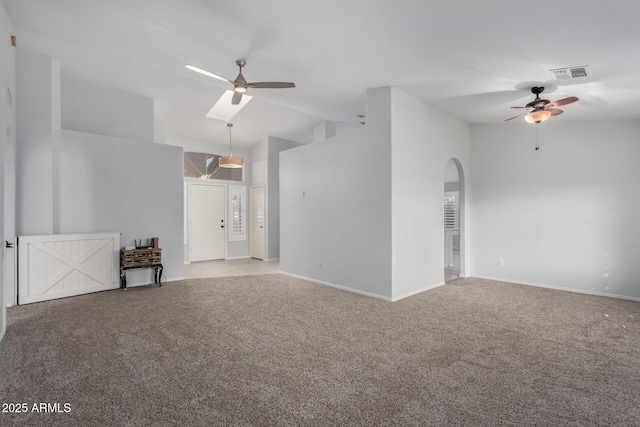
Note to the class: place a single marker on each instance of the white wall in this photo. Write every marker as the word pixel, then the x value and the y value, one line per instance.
pixel 7 150
pixel 258 162
pixel 115 184
pixel 565 216
pixel 424 139
pixel 89 108
pixel 344 220
pixel 373 205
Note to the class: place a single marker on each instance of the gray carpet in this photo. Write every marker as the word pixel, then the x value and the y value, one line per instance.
pixel 274 350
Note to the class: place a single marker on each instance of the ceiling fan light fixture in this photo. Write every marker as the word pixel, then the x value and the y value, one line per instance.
pixel 538 116
pixel 230 161
pixel 540 110
pixel 240 84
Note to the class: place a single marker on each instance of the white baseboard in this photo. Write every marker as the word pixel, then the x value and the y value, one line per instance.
pixel 237 257
pixel 271 259
pixel 409 294
pixel 150 283
pixel 560 288
pixel 333 285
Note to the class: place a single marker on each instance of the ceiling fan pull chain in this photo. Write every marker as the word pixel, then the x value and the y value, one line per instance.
pixel 537 147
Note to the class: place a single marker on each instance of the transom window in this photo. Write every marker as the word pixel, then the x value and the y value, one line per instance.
pixel 205 166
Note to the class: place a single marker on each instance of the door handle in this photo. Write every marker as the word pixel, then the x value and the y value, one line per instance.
pixel 262 226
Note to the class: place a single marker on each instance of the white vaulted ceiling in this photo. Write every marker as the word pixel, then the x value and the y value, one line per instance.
pixel 472 59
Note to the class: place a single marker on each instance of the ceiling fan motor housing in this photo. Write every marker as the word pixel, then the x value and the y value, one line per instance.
pixel 240 83
pixel 537 103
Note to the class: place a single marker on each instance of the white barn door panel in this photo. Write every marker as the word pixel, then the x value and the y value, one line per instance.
pixel 63 265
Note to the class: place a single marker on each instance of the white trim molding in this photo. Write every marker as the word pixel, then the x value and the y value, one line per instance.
pixel 333 285
pixel 560 288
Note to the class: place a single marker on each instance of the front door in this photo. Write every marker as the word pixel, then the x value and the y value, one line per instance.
pixel 257 221
pixel 206 222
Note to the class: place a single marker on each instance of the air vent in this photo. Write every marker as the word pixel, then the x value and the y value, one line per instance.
pixel 571 72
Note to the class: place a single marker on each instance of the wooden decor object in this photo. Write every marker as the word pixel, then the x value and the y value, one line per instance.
pixel 131 259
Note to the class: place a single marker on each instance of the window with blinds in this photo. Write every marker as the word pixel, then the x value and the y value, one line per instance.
pixel 237 205
pixel 451 211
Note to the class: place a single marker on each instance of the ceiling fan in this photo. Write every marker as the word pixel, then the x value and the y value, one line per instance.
pixel 240 84
pixel 539 109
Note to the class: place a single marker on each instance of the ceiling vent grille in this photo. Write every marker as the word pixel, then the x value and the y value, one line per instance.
pixel 571 72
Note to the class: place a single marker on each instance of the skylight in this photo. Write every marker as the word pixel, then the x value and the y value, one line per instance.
pixel 224 110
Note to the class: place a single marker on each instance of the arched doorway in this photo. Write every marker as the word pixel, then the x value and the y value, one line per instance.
pixel 453 220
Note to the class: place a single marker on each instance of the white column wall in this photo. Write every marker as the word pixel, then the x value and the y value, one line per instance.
pixel 265 169
pixel 7 161
pixel 344 218
pixel 424 139
pixel 565 216
pixel 37 109
pixel 275 147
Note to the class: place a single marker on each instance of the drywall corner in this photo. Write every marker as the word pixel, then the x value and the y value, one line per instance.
pixel 335 221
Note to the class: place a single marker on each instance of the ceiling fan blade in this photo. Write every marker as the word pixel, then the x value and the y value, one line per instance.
pixel 561 102
pixel 237 96
pixel 528 108
pixel 555 111
pixel 207 73
pixel 271 85
pixel 515 117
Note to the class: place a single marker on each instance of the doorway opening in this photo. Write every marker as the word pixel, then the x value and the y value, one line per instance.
pixel 257 237
pixel 453 221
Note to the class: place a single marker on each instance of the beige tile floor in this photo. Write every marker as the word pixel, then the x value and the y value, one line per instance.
pixel 250 266
pixel 232 267
pixel 452 273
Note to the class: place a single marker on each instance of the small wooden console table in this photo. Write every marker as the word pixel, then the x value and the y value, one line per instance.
pixel 134 259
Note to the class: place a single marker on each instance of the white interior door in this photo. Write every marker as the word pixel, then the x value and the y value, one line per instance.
pixel 257 221
pixel 206 222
